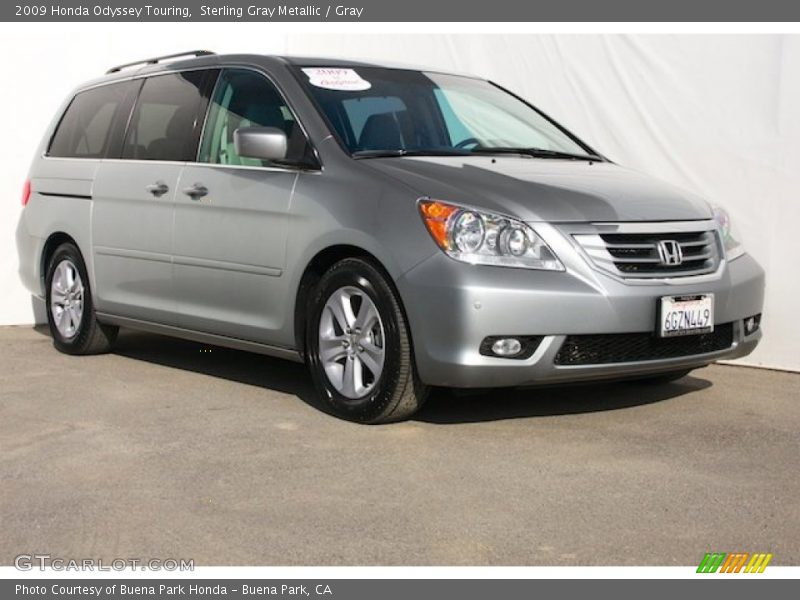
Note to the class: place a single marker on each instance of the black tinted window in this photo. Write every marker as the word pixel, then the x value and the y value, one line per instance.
pixel 93 124
pixel 168 117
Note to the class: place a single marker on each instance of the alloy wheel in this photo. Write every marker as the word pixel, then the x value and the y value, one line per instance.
pixel 66 298
pixel 352 346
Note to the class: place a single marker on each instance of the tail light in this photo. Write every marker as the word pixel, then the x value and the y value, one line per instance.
pixel 26 192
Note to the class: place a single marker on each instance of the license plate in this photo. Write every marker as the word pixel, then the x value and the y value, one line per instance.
pixel 686 315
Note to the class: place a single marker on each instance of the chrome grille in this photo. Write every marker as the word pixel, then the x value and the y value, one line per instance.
pixel 643 254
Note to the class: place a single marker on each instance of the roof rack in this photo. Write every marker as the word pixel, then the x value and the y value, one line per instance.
pixel 158 59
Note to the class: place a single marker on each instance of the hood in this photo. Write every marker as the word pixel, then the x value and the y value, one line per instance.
pixel 551 190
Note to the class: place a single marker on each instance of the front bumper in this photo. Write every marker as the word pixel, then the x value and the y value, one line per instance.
pixel 452 307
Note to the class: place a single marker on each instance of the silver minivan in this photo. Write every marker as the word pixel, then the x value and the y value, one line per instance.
pixel 396 229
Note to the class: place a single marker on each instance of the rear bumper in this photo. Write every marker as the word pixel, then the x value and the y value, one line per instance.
pixel 452 307
pixel 29 253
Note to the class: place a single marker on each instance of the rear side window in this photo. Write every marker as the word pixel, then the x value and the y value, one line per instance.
pixel 93 124
pixel 167 120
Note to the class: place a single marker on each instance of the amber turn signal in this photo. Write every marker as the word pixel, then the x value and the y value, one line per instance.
pixel 435 214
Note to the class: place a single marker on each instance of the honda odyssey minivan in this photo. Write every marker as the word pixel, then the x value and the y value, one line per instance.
pixel 395 229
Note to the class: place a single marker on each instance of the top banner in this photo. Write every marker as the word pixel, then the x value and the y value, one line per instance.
pixel 404 11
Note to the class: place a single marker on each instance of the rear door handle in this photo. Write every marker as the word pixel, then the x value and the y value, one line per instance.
pixel 196 191
pixel 158 189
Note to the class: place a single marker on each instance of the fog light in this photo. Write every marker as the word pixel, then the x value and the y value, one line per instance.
pixel 507 347
pixel 518 347
pixel 751 324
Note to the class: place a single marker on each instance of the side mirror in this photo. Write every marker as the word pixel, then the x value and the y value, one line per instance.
pixel 266 143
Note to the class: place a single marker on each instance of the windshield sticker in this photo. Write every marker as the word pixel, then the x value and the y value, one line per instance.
pixel 345 80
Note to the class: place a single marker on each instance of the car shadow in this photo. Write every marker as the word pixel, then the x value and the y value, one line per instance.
pixel 443 406
pixel 247 368
pixel 446 407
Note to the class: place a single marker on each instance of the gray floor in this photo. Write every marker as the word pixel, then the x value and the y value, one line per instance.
pixel 165 450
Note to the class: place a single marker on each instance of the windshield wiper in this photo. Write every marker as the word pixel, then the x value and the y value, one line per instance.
pixel 536 153
pixel 404 152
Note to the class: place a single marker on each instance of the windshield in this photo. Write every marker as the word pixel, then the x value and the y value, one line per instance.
pixel 377 110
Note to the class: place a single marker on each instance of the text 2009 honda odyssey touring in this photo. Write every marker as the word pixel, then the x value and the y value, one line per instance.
pixel 396 229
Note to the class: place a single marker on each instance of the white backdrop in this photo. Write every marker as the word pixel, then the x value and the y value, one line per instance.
pixel 717 114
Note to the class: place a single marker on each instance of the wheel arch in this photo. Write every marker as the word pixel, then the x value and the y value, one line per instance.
pixel 316 268
pixel 54 240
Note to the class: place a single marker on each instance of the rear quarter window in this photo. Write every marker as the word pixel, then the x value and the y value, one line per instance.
pixel 92 126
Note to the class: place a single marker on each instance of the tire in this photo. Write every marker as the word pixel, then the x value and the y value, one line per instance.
pixel 70 307
pixel 663 377
pixel 339 361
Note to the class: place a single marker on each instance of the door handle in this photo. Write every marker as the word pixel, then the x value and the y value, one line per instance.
pixel 158 189
pixel 196 191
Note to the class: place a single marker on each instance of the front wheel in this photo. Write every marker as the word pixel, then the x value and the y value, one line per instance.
pixel 359 348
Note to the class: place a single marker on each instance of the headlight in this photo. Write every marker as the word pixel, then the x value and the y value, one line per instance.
pixel 733 248
pixel 483 238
